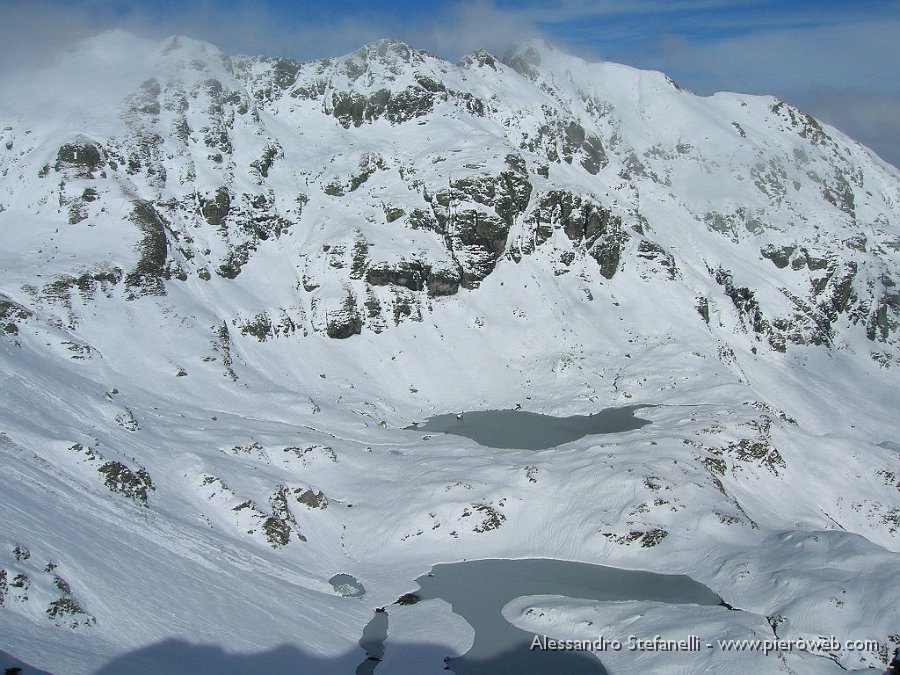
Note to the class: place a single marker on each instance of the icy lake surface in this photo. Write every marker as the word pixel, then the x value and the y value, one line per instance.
pixel 372 642
pixel 531 431
pixel 477 590
pixel 347 585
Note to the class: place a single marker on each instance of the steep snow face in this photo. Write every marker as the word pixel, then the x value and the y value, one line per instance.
pixel 227 284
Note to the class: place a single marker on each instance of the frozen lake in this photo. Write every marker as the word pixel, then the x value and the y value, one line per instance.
pixel 478 590
pixel 531 431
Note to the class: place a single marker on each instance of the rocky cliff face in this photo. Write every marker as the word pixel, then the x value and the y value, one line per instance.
pixel 390 178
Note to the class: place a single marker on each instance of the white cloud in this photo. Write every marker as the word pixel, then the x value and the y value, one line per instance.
pixel 862 54
pixel 872 119
pixel 844 73
pixel 840 65
pixel 31 33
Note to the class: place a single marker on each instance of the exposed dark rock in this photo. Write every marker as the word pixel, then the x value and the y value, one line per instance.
pixel 590 227
pixel 222 344
pixel 259 327
pixel 803 258
pixel 409 274
pixel 277 531
pixel 703 308
pixel 354 109
pixel 478 237
pixel 480 58
pixel 369 163
pixel 492 518
pixel 67 612
pixel 779 256
pixel 575 141
pixel 649 250
pixel 345 322
pixel 145 101
pixel 279 526
pixel 313 500
pixel 883 321
pixel 127 421
pixel 647 539
pixel 483 237
pixel 443 281
pixel 836 288
pixel 236 257
pixel 103 279
pixel 744 301
pixel 147 276
pixel 11 313
pixel 514 190
pixel 419 219
pixel 581 219
pixel 262 165
pixel 405 305
pixel 653 537
pixel 131 484
pixel 840 195
pixel 284 73
pixel 372 305
pixel 216 208
pixel 805 125
pixel 83 159
pixel 608 252
pixel 594 156
pixel 392 213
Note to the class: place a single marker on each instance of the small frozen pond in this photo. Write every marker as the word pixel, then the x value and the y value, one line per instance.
pixel 531 431
pixel 478 590
pixel 347 585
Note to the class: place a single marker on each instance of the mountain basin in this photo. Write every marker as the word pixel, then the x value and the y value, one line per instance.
pixel 477 590
pixel 531 431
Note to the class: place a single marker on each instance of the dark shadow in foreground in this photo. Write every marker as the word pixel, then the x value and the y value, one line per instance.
pixel 521 660
pixel 175 657
pixel 13 666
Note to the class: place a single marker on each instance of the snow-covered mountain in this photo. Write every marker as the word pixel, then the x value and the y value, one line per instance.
pixel 228 283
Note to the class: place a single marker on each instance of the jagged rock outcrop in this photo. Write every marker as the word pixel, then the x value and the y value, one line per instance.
pixel 211 185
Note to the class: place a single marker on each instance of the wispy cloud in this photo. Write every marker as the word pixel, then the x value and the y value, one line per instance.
pixel 835 59
pixel 871 118
pixel 843 72
pixel 564 11
pixel 862 53
pixel 31 33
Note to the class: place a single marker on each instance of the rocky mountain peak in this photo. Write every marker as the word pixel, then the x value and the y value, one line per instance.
pixel 588 153
pixel 391 52
pixel 479 58
pixel 388 62
pixel 526 58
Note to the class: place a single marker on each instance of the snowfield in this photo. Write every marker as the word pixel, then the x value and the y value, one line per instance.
pixel 227 284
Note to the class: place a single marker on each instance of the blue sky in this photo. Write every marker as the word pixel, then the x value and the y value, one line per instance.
pixel 837 59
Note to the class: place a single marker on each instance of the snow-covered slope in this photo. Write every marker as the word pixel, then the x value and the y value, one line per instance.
pixel 227 284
